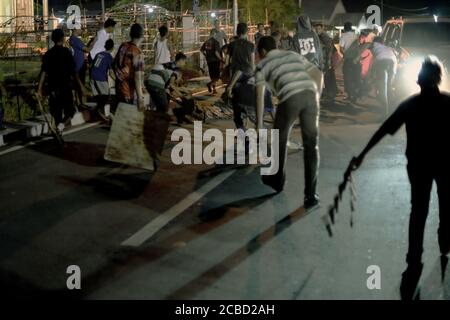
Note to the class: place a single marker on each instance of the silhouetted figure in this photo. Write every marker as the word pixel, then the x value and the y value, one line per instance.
pixel 330 89
pixel 426 118
pixel 348 47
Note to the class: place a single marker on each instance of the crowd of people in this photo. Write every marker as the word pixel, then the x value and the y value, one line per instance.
pixel 65 70
pixel 368 65
pixel 295 70
pixel 302 73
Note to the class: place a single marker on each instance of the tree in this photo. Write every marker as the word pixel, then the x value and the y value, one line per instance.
pixel 254 11
pixel 281 12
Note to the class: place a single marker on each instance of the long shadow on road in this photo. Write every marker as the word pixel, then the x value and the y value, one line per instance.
pixel 209 277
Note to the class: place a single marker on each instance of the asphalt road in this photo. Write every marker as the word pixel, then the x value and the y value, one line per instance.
pixel 197 234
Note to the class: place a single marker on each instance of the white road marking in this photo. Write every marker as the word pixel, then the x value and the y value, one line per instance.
pixel 83 127
pixel 74 130
pixel 162 220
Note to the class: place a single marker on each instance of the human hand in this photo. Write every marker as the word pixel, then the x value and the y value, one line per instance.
pixel 356 162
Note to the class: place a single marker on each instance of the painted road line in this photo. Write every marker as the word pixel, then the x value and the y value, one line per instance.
pixel 17 148
pixel 83 127
pixel 162 220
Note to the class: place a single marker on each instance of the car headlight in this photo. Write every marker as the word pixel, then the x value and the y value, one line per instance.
pixel 409 72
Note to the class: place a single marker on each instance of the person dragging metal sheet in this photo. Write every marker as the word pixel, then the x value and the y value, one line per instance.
pixel 425 116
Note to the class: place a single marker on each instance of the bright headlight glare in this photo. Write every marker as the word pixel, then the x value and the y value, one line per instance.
pixel 410 73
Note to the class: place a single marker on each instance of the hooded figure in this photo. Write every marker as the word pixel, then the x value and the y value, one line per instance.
pixel 307 42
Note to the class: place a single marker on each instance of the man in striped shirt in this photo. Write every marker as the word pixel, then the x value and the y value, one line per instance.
pixel 297 84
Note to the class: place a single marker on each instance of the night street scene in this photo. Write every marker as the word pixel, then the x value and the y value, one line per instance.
pixel 224 150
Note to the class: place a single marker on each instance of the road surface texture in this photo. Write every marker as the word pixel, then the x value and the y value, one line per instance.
pixel 194 232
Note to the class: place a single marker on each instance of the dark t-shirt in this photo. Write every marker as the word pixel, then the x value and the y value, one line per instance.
pixel 78 53
pixel 210 47
pixel 426 117
pixel 241 51
pixel 59 66
pixel 101 65
pixel 307 43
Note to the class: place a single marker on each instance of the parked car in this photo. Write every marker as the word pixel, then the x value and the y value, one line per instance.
pixel 414 38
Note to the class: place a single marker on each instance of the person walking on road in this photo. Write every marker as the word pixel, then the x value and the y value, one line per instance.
pixel 242 64
pixel 211 50
pixel 307 43
pixel 425 116
pixel 58 71
pixel 98 44
pixel 128 67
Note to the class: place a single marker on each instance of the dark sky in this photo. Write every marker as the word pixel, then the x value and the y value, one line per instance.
pixel 402 7
pixel 391 8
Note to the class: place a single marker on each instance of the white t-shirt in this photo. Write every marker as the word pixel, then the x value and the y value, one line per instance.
pixel 347 39
pixel 162 52
pixel 99 45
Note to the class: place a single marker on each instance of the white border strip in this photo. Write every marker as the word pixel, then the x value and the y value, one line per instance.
pixel 74 130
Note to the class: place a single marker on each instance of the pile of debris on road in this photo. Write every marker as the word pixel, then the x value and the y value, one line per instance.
pixel 218 111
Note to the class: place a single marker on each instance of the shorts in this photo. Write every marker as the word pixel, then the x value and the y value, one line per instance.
pixel 100 88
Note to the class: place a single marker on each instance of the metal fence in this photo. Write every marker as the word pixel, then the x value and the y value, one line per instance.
pixel 23 41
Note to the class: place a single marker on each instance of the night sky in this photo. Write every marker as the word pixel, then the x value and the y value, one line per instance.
pixel 391 8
